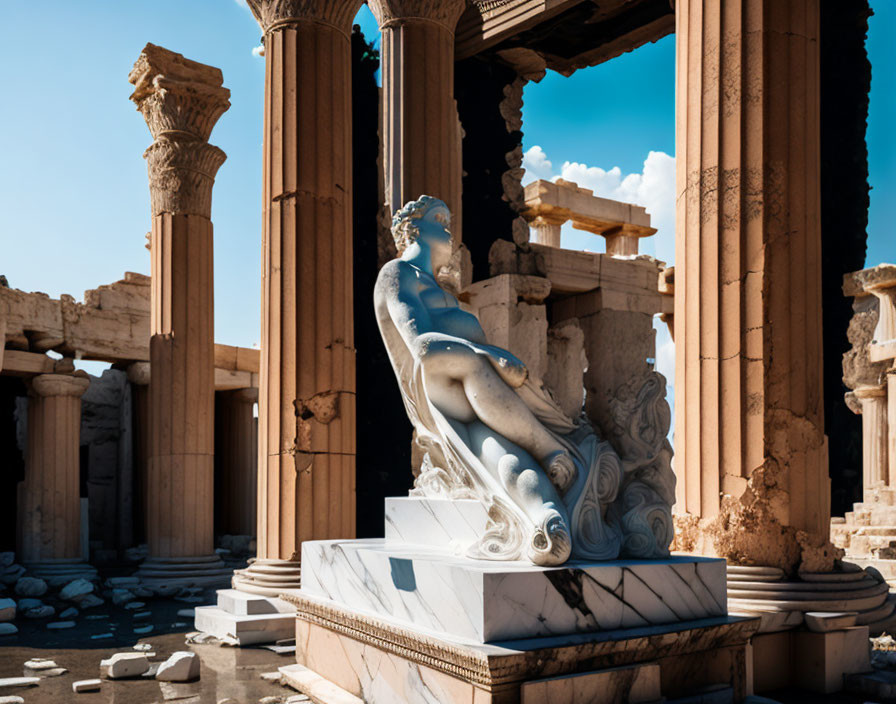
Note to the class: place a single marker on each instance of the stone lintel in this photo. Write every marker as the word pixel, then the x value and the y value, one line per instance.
pixel 561 201
pixel 443 12
pixel 276 14
pixel 111 325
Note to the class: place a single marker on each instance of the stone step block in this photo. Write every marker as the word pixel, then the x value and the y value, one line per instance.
pixel 245 629
pixel 239 603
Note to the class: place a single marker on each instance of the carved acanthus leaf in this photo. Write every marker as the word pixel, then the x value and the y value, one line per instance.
pixel 272 14
pixel 177 97
pixel 444 12
pixel 181 176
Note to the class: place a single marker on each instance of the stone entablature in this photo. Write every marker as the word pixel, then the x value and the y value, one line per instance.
pixel 550 204
pixel 111 325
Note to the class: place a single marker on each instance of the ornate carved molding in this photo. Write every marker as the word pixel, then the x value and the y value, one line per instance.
pixel 179 98
pixel 181 176
pixel 444 12
pixel 60 384
pixel 274 14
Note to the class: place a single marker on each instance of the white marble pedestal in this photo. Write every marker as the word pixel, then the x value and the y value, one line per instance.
pixel 409 618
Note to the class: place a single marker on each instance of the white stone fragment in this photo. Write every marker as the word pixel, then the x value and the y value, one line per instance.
pixel 75 589
pixel 70 612
pixel 60 625
pixel 7 609
pixel 142 615
pixel 102 636
pixel 19 681
pixel 141 630
pixel 186 613
pixel 182 666
pixel 8 629
pixel 40 664
pixel 270 676
pixel 143 647
pixel 134 605
pixel 31 586
pixel 124 665
pixel 86 686
pixel 12 700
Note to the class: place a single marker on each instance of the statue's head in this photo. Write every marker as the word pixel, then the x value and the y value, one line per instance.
pixel 425 222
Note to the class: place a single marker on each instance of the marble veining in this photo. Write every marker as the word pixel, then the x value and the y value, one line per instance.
pixel 452 524
pixel 481 601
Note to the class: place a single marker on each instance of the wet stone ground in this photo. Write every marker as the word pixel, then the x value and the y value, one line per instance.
pixel 226 672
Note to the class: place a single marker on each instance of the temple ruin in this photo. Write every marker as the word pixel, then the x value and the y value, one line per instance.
pixel 166 469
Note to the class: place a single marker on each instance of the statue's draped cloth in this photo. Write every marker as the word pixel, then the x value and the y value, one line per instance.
pixel 616 507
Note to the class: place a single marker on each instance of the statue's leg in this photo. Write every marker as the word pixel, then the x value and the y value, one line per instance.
pixel 464 385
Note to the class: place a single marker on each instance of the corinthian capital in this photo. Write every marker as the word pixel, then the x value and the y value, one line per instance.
pixel 444 12
pixel 272 14
pixel 179 98
pixel 181 176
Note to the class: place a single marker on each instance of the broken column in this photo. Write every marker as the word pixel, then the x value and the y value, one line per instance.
pixel 751 454
pixel 420 128
pixel 306 418
pixel 236 462
pixel 181 101
pixel 49 498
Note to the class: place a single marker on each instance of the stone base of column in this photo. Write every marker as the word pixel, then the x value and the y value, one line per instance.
pixel 62 571
pixel 783 604
pixel 268 577
pixel 201 571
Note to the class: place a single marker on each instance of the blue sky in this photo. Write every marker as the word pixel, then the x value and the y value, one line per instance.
pixel 74 199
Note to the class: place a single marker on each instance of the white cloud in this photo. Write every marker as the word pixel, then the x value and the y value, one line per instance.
pixel 258 50
pixel 653 188
pixel 536 164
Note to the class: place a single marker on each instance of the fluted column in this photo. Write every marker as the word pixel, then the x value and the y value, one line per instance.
pixel 236 462
pixel 751 455
pixel 49 497
pixel 306 415
pixel 138 376
pixel 545 231
pixel 875 472
pixel 421 132
pixel 181 101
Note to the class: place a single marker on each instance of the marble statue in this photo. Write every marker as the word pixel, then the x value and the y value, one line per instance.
pixel 553 488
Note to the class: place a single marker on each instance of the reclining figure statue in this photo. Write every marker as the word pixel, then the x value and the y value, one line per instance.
pixel 553 489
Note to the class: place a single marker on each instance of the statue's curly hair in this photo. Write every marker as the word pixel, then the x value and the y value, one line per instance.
pixel 404 230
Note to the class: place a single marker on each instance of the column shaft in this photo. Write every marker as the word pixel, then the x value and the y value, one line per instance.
pixel 875 469
pixel 421 131
pixel 49 531
pixel 891 429
pixel 751 453
pixel 181 389
pixel 306 415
